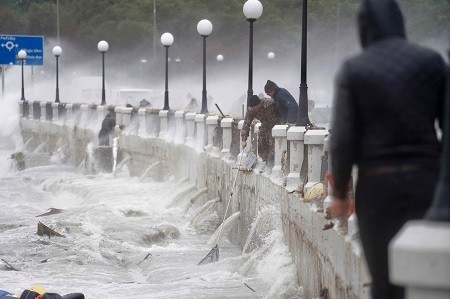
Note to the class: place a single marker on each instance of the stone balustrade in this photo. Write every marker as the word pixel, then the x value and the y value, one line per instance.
pixel 279 133
pixel 43 111
pixel 190 128
pixel 55 107
pixel 118 112
pixel 180 128
pixel 212 123
pixel 314 141
pixel 226 124
pixel 163 123
pixel 142 115
pixel 419 259
pixel 126 116
pixel 295 136
pixel 200 129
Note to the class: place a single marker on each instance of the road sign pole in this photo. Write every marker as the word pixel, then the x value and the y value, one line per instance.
pixel 3 81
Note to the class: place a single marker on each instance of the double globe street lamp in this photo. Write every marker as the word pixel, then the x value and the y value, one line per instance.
pixel 57 51
pixel 22 55
pixel 204 28
pixel 103 47
pixel 253 9
pixel 167 41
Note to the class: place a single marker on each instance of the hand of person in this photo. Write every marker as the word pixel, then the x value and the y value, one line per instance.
pixel 342 208
pixel 243 143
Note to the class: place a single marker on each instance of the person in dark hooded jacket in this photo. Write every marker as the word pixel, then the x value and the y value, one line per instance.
pixel 387 101
pixel 108 125
pixel 287 106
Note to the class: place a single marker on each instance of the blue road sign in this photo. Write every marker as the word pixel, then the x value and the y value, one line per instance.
pixel 10 45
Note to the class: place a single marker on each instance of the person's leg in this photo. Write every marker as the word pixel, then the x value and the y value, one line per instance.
pixel 384 203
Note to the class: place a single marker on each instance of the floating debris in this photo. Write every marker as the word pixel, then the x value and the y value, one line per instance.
pixel 45 230
pixel 8 266
pixel 51 211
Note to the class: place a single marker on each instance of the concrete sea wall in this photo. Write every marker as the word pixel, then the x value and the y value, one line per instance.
pixel 189 145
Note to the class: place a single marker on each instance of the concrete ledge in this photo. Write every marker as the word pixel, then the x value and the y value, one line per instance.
pixel 190 116
pixel 199 118
pixel 279 131
pixel 226 122
pixel 315 136
pixel 163 113
pixel 212 120
pixel 296 133
pixel 179 114
pixel 419 255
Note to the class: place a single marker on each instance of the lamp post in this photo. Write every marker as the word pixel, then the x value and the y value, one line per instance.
pixel 22 55
pixel 253 9
pixel 103 47
pixel 204 28
pixel 57 52
pixel 303 119
pixel 167 41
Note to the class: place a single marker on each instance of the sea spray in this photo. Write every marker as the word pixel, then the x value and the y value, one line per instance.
pixel 202 210
pixel 194 198
pixel 40 148
pixel 121 164
pixel 183 180
pixel 182 194
pixel 223 229
pixel 148 171
pixel 272 260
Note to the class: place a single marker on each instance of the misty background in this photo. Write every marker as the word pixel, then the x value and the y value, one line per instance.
pixel 133 31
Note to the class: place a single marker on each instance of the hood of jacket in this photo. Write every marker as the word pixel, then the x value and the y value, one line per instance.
pixel 378 20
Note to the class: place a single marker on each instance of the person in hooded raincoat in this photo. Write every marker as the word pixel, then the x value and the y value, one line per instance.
pixel 387 101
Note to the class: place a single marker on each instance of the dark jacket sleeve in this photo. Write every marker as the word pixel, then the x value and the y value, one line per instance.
pixel 343 135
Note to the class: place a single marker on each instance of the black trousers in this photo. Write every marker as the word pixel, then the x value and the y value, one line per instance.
pixel 384 203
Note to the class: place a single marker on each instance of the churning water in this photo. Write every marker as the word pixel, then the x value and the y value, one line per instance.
pixel 124 239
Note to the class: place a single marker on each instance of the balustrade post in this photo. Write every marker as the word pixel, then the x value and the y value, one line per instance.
pixel 163 123
pixel 43 111
pixel 279 133
pixel 226 124
pixel 69 112
pixel 212 123
pixel 419 259
pixel 295 137
pixel 126 116
pixel 30 109
pixel 190 128
pixel 200 131
pixel 142 114
pixel 314 142
pixel 118 111
pixel 55 107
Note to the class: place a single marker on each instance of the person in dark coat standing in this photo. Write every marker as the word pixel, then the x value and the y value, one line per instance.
pixel 387 100
pixel 108 125
pixel 286 105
